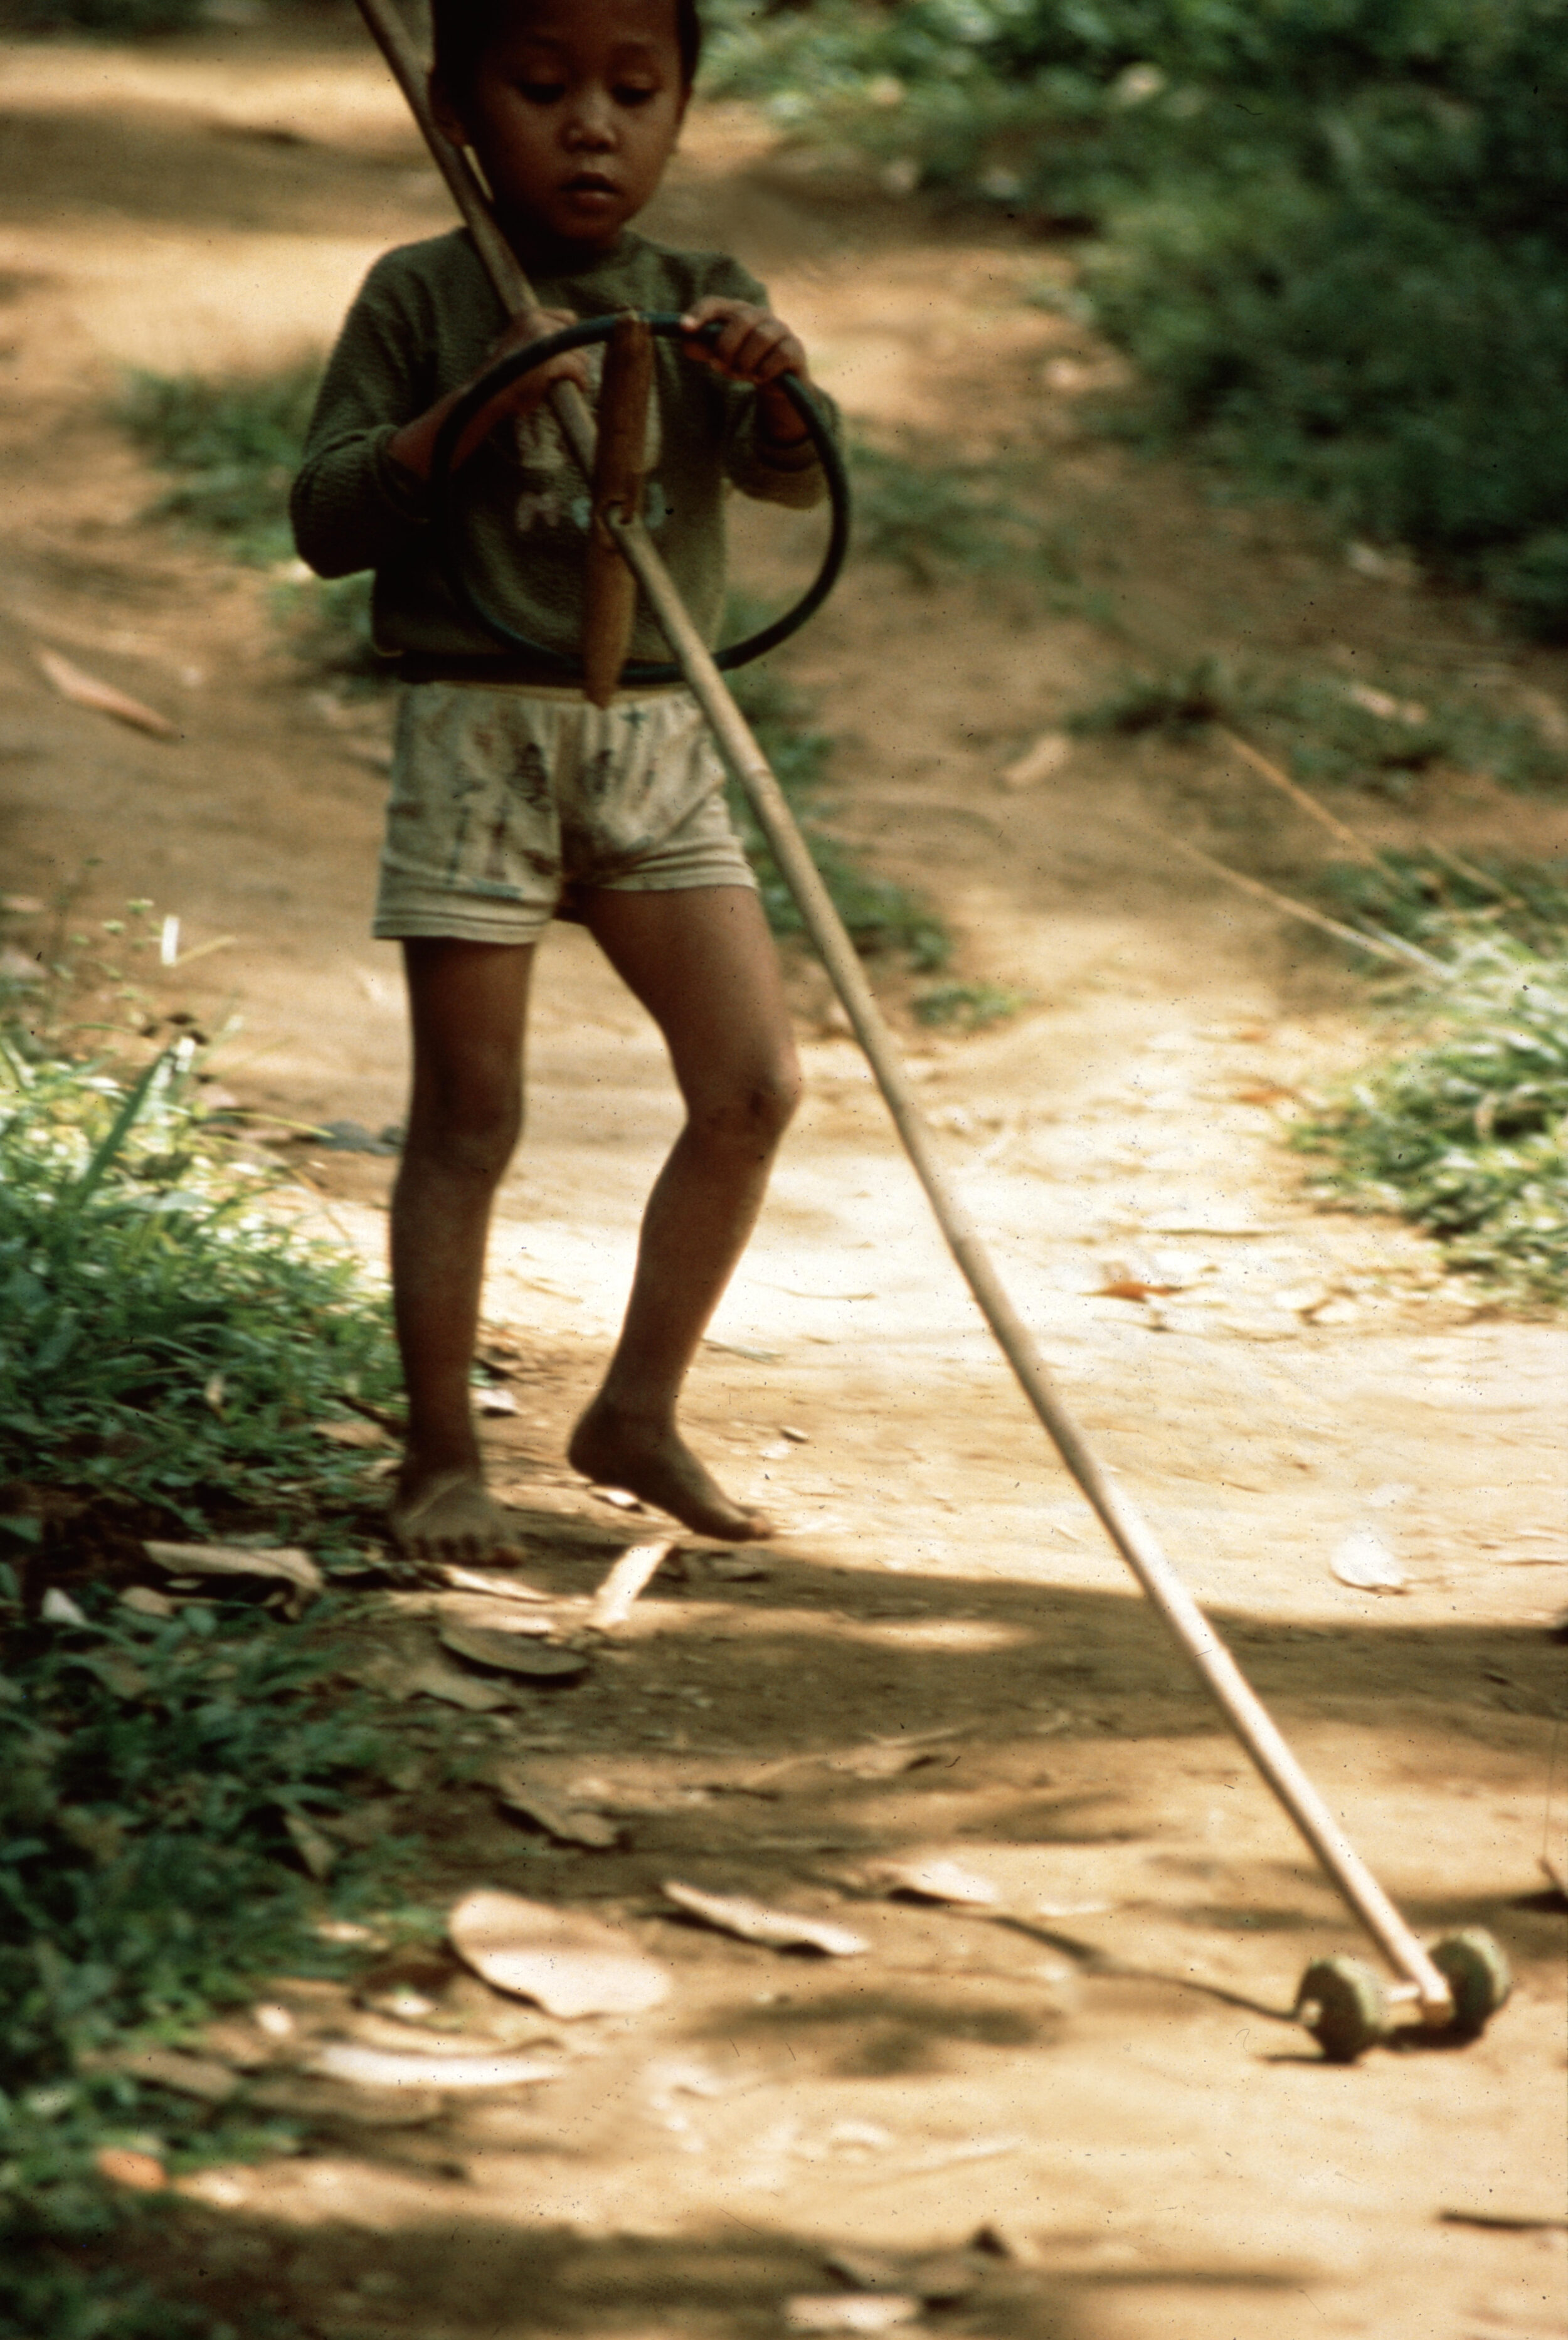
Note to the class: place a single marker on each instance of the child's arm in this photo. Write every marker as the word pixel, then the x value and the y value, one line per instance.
pixel 360 498
pixel 413 447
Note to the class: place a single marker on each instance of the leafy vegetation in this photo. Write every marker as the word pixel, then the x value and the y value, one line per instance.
pixel 231 447
pixel 879 915
pixel 148 1770
pixel 1436 900
pixel 932 516
pixel 1331 727
pixel 114 18
pixel 166 1335
pixel 926 517
pixel 167 1342
pixel 1332 236
pixel 1467 1133
pixel 970 1006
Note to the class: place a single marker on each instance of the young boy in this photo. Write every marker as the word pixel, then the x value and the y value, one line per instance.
pixel 512 797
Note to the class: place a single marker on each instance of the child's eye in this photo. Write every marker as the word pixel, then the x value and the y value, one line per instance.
pixel 542 91
pixel 635 93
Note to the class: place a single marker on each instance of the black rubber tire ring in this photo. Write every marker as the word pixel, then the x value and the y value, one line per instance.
pixel 667 326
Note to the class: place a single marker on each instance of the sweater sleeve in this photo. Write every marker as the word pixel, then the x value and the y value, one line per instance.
pixel 351 506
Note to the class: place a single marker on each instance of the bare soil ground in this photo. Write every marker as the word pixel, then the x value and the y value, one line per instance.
pixel 941 1657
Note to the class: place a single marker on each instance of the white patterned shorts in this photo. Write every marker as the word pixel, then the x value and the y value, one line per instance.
pixel 507 801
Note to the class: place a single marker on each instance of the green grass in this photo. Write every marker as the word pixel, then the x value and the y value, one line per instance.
pixel 969 1006
pixel 1330 233
pixel 168 1340
pixel 146 1882
pixel 881 918
pixel 1333 729
pixel 231 447
pixel 932 517
pixel 1465 1132
pixel 927 517
pixel 117 20
pixel 166 1343
pixel 1437 900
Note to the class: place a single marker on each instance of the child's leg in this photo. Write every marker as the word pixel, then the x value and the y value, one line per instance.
pixel 702 963
pixel 467 1006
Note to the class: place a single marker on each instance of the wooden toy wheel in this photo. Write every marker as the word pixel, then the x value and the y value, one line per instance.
pixel 1478 1974
pixel 1344 2005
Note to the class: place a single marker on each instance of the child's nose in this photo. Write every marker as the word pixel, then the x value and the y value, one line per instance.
pixel 592 119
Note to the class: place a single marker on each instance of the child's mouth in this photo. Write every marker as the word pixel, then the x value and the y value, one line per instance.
pixel 589 187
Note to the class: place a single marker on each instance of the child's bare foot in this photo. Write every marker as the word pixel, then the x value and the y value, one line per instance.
pixel 448 1515
pixel 651 1460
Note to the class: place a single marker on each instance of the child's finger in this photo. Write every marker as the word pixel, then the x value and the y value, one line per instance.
pixel 752 347
pixel 531 389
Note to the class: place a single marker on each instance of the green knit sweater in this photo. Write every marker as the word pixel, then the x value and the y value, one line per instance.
pixel 423 322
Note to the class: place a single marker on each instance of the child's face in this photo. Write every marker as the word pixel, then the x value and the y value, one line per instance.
pixel 574 113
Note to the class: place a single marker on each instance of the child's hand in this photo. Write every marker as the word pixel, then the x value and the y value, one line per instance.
pixel 413 446
pixel 754 346
pixel 531 389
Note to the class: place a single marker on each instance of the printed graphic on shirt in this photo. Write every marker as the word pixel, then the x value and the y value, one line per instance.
pixel 552 493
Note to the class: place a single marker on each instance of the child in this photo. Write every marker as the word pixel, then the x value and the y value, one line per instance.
pixel 511 798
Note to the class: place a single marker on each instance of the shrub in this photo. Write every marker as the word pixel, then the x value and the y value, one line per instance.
pixel 1331 231
pixel 1466 1133
pixel 166 1337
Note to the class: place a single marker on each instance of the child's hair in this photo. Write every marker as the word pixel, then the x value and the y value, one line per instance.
pixel 463 30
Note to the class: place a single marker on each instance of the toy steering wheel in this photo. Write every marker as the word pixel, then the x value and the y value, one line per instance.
pixel 667 326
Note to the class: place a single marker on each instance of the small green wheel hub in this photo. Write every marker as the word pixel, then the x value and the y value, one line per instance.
pixel 1474 1969
pixel 1344 2005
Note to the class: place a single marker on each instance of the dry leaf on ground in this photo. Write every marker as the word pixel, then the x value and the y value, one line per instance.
pixel 501 1588
pixel 754 1921
pixel 284 1562
pixel 631 1575
pixel 850 2311
pixel 57 1608
pixel 85 690
pixel 1048 754
pixel 622 1499
pixel 568 1964
pixel 1365 1560
pixel 568 1823
pixel 938 1880
pixel 142 1601
pixel 511 1652
pixel 209 2082
pixel 381 2067
pixel 434 1678
pixel 352 1432
pixel 318 1852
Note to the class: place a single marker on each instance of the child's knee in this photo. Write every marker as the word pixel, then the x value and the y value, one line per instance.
pixel 469 1125
pixel 758 1109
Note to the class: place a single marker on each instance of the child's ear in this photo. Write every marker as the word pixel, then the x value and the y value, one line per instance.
pixel 449 120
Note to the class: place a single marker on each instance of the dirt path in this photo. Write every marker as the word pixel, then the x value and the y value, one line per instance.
pixel 1099 2066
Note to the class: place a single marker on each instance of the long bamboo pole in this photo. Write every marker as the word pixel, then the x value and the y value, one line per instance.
pixel 1133 1539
